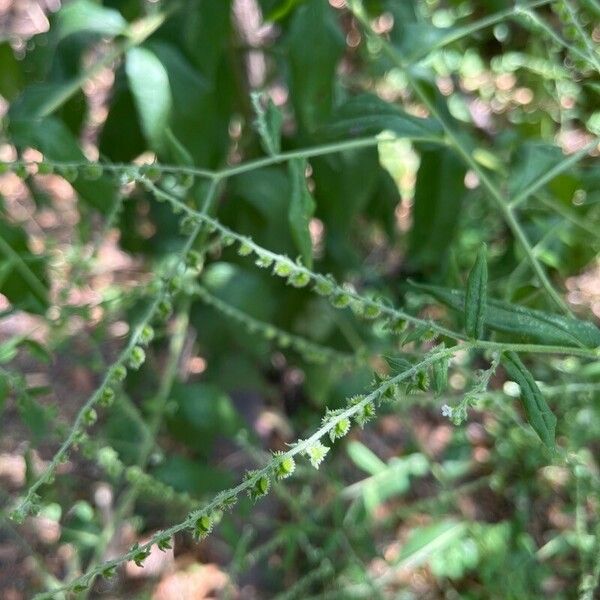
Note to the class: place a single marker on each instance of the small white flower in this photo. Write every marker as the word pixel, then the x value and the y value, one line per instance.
pixel 446 411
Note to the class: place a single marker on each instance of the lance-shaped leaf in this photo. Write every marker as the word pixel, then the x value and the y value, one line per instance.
pixel 149 83
pixel 476 296
pixel 523 324
pixel 302 208
pixel 268 123
pixel 539 415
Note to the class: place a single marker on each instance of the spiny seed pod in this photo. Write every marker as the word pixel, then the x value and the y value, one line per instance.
pixel 164 309
pixel 264 262
pixel 371 311
pixel 92 172
pixel 365 413
pixel 109 572
pixel 194 259
pixel 187 225
pixel 130 174
pixel 227 240
pixel 270 332
pixel 340 300
pixel 387 392
pixel 260 487
pixel 146 335
pixel 324 286
pixel 285 466
pixel 284 340
pixel 397 325
pixel 119 373
pixel 316 453
pixel 245 249
pixel 282 268
pixel 299 279
pixel 340 429
pixel 107 397
pixel 134 475
pixel 90 417
pixel 80 437
pixel 136 357
pixel 140 556
pixel 175 284
pixel 476 296
pixel 164 544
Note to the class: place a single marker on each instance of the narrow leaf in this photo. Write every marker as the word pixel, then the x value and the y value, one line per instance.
pixel 523 324
pixel 268 123
pixel 302 208
pixel 84 15
pixel 476 296
pixel 437 208
pixel 539 415
pixel 366 115
pixel 149 85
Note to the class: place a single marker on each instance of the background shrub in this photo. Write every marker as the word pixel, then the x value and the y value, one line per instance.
pixel 341 255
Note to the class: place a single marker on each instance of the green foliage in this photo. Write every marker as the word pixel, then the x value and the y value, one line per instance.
pixel 251 286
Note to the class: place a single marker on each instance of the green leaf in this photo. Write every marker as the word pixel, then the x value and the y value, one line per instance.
pixel 268 123
pixel 532 160
pixel 439 193
pixel 84 15
pixel 149 83
pixel 539 415
pixel 11 75
pixel 203 412
pixel 365 459
pixel 524 324
pixel 302 208
pixel 187 475
pixel 366 115
pixel 417 40
pixel 476 296
pixel 315 45
pixel 23 278
pixel 424 542
pixel 440 375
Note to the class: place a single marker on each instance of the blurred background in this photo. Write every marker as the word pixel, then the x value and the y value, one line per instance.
pixel 411 506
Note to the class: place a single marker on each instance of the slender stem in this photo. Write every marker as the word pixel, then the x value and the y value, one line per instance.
pixel 231 494
pixel 227 172
pixel 391 312
pixel 315 151
pixel 158 405
pixel 308 349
